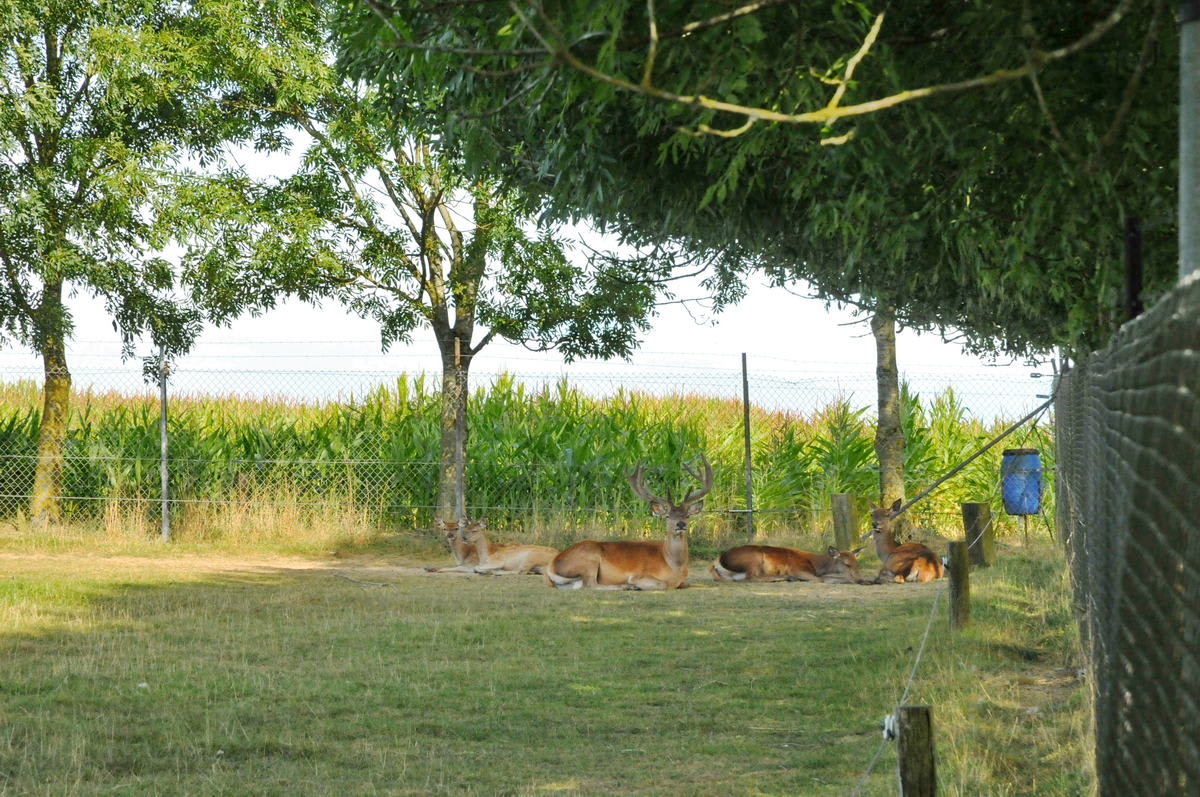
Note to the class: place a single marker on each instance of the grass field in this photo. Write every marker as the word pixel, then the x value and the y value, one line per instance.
pixel 161 673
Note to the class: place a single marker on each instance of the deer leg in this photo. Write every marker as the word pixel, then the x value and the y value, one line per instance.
pixel 645 583
pixel 458 569
pixel 801 577
pixel 495 570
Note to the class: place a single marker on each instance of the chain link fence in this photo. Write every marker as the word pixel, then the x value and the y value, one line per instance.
pixel 272 449
pixel 1128 439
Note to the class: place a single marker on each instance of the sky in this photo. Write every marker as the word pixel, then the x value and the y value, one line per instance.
pixel 800 356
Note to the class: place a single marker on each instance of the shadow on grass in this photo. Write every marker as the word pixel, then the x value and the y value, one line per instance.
pixel 163 676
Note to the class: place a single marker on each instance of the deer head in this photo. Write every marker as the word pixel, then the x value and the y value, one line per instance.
pixel 843 563
pixel 472 530
pixel 881 518
pixel 449 528
pixel 675 514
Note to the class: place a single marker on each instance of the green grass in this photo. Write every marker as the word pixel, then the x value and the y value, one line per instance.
pixel 168 674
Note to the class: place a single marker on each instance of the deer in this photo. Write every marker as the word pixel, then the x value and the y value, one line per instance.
pixel 642 565
pixel 772 563
pixel 475 554
pixel 506 559
pixel 911 561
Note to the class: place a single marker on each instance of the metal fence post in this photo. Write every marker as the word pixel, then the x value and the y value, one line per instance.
pixel 163 371
pixel 1189 137
pixel 571 485
pixel 746 435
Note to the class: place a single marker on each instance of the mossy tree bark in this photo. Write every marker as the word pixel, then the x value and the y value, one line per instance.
pixel 889 431
pixel 453 448
pixel 46 501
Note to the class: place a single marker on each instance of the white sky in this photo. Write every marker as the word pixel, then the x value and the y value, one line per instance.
pixel 795 348
pixel 802 348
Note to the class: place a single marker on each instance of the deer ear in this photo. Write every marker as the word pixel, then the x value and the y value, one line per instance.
pixel 896 506
pixel 858 550
pixel 659 509
pixel 831 551
pixel 696 507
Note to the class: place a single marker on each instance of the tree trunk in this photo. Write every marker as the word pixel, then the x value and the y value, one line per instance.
pixel 889 433
pixel 46 504
pixel 453 450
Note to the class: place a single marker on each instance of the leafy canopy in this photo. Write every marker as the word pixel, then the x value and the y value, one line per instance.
pixel 997 211
pixel 379 216
pixel 105 108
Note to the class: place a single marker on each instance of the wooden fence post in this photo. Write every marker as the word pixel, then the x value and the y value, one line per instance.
pixel 960 586
pixel 914 752
pixel 977 530
pixel 843 521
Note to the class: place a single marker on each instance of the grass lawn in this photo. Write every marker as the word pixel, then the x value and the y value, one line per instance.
pixel 224 674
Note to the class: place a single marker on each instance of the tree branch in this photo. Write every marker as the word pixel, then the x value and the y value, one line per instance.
pixel 854 61
pixel 1131 87
pixel 1035 60
pixel 10 271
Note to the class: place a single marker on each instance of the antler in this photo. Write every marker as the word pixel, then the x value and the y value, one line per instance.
pixel 706 481
pixel 637 482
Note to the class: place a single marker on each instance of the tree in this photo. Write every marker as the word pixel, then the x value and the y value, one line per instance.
pixel 385 222
pixel 99 105
pixel 889 429
pixel 996 212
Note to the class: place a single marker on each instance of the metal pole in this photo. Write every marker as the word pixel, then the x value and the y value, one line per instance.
pixel 163 371
pixel 571 484
pixel 1189 138
pixel 746 435
pixel 1133 268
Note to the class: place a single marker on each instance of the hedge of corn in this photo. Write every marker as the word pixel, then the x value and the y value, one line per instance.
pixel 548 454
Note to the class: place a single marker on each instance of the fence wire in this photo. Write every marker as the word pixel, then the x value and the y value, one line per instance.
pixel 542 449
pixel 1128 442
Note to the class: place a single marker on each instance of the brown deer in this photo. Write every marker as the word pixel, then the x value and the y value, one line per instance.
pixel 475 554
pixel 911 561
pixel 636 565
pixel 771 563
pixel 507 558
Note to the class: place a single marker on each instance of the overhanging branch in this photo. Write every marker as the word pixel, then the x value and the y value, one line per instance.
pixel 554 44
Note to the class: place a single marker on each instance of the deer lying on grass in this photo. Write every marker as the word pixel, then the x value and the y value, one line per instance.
pixel 911 561
pixel 635 565
pixel 475 554
pixel 771 563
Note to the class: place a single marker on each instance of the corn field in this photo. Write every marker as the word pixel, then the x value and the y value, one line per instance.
pixel 539 458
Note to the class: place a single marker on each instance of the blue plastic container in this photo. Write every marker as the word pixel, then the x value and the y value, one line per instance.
pixel 1021 481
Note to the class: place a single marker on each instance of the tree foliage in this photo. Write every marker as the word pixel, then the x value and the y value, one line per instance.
pixel 378 216
pixel 101 105
pixel 997 211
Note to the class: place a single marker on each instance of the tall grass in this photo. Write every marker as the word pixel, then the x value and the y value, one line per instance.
pixel 543 461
